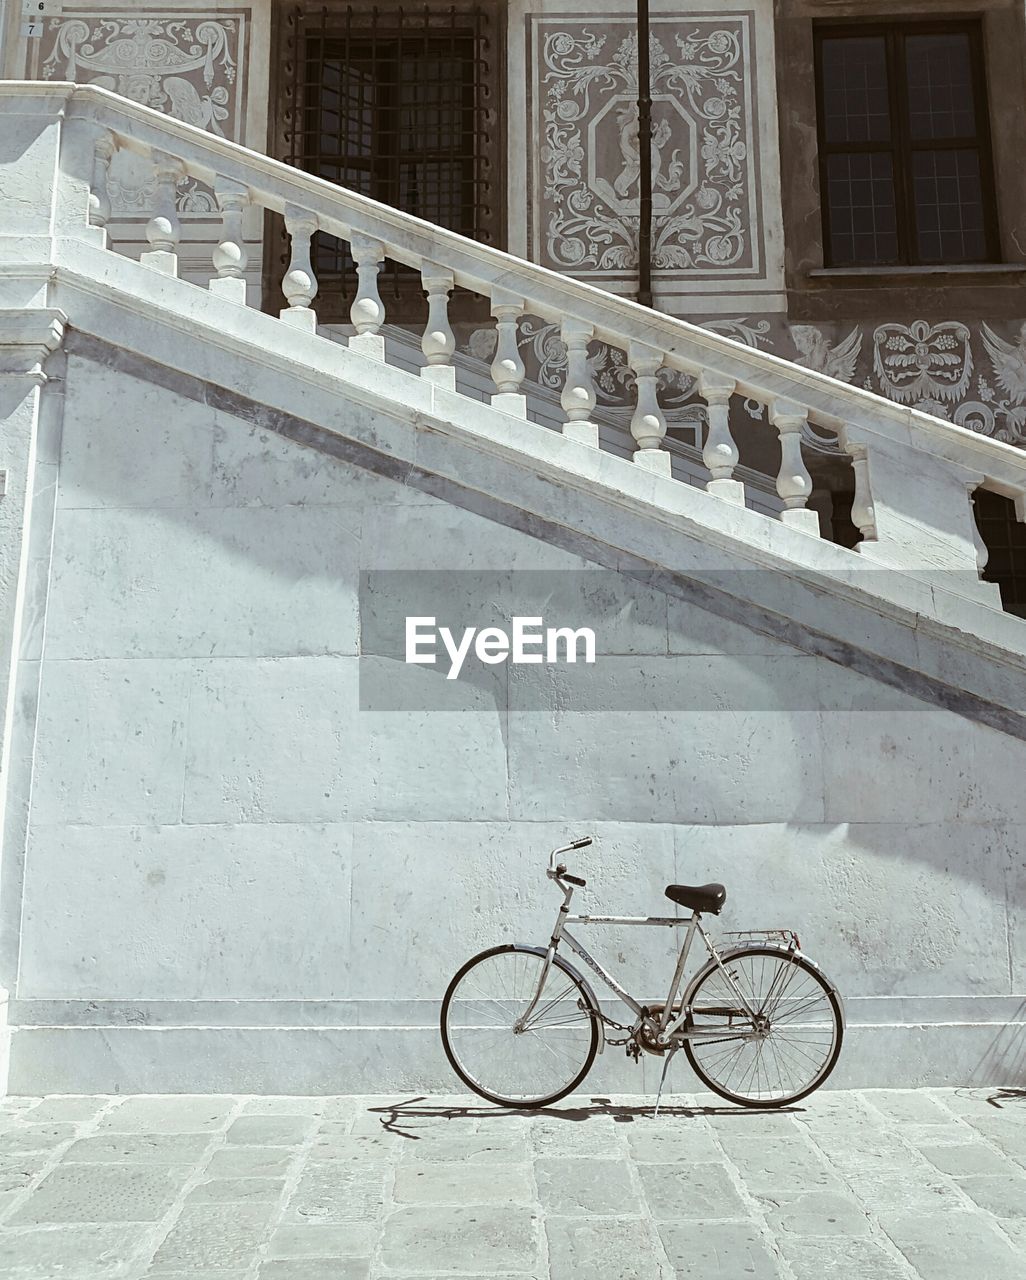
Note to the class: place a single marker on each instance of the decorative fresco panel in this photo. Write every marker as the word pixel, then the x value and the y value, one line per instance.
pixel 187 63
pixel 584 134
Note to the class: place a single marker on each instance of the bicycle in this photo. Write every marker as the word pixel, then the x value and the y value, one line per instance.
pixel 521 1026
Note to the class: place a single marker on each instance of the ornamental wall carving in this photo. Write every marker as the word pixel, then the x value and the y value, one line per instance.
pixel 584 138
pixel 188 63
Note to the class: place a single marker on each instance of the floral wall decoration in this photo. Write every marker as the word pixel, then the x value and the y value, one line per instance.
pixel 187 63
pixel 584 129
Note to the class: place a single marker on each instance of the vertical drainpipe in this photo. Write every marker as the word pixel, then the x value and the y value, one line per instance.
pixel 645 159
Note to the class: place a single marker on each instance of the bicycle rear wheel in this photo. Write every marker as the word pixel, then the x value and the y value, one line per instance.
pixel 531 1067
pixel 787 1051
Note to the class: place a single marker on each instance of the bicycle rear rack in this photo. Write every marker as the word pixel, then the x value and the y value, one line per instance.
pixel 766 935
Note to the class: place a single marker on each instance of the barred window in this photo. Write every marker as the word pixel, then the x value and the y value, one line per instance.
pixel 905 169
pixel 399 104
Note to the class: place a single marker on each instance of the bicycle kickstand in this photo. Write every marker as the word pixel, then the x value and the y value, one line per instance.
pixel 662 1079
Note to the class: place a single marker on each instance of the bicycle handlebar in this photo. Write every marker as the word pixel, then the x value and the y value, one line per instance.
pixel 555 872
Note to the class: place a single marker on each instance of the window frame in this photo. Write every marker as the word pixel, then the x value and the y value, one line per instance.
pixel 901 146
pixel 299 24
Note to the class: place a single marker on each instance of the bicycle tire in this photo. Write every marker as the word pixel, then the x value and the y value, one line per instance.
pixel 497 1016
pixel 820 1035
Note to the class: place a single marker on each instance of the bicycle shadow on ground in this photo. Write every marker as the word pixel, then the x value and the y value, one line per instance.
pixel 417 1109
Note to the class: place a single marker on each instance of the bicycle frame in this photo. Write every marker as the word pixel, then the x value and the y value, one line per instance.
pixel 668 1026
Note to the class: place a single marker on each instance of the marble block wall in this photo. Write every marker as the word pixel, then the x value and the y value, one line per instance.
pixel 256 852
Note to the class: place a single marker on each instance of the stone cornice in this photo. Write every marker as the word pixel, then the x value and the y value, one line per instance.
pixel 27 336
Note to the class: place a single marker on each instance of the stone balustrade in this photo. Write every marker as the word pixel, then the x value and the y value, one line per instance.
pixel 914 474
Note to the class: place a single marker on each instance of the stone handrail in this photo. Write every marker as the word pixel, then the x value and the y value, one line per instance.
pixel 914 474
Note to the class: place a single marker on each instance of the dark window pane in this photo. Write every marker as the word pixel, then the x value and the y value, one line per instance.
pixel 940 86
pixel 863 223
pixel 949 206
pixel 855 96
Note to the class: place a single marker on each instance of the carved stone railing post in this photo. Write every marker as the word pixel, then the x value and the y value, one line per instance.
pixel 578 396
pixel 794 484
pixel 163 229
pixel 99 197
pixel 862 514
pixel 720 453
pixel 368 311
pixel 230 256
pixel 648 425
pixel 507 368
pixel 438 341
pixel 300 283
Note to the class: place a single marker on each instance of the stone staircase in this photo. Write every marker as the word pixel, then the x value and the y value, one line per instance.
pixel 906 608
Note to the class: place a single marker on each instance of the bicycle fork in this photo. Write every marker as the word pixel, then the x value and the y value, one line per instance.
pixel 557 932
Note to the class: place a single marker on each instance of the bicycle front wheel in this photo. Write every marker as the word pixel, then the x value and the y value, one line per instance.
pixel 786 1051
pixel 509 1063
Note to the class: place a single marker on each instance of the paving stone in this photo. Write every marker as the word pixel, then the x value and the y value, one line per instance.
pixel 832 1258
pixel 201 1275
pixel 815 1213
pixel 482 1237
pixel 690 1191
pixel 766 1164
pixel 250 1162
pixel 333 1192
pixel 359 1148
pixel 939 1246
pixel 718 1251
pixel 178 1114
pixel 18 1171
pixel 1001 1195
pixel 902 1104
pixel 692 1142
pixel 905 1192
pixel 270 1131
pixel 236 1190
pixel 100 1193
pixel 55 1252
pixel 57 1110
pixel 138 1148
pixel 24 1138
pixel 604 1249
pixel 312 1106
pixel 592 1136
pixel 338 1240
pixel 967 1158
pixel 484 1148
pixel 1010 1136
pixel 424 1182
pixel 216 1238
pixel 582 1185
pixel 936 1135
pixel 316 1269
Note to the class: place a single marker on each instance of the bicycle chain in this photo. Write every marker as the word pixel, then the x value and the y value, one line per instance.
pixel 617 1026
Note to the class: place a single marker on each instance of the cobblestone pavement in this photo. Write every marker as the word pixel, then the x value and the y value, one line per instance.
pixel 873 1185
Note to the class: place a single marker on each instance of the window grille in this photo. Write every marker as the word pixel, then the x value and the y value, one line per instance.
pixel 400 104
pixel 904 146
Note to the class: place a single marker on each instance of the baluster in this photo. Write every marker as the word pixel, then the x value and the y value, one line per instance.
pixel 578 397
pixel 794 484
pixel 720 453
pixel 368 311
pixel 862 514
pixel 648 425
pixel 230 256
pixel 507 367
pixel 163 229
pixel 300 283
pixel 99 196
pixel 438 342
